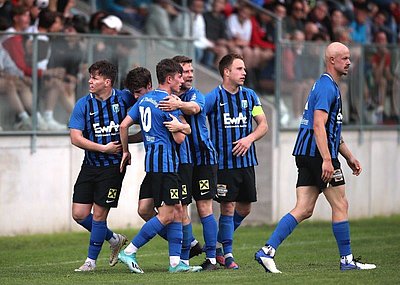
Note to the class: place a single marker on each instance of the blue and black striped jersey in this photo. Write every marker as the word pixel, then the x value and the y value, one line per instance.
pixel 230 119
pixel 201 147
pixel 161 154
pixel 99 122
pixel 324 95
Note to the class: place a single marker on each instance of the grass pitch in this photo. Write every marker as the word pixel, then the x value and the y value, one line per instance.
pixel 308 256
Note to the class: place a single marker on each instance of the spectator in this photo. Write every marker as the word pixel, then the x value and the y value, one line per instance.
pixel 360 27
pixel 239 30
pixel 201 43
pixel 95 21
pixel 338 21
pixel 5 14
pixel 295 20
pixel 319 16
pixel 127 13
pixel 105 48
pixel 15 45
pixel 297 80
pixel 16 88
pixel 216 30
pixel 158 22
pixel 383 77
pixel 68 53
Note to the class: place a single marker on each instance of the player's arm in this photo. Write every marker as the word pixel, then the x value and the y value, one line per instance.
pixel 352 162
pixel 123 133
pixel 242 145
pixel 175 125
pixel 320 119
pixel 173 102
pixel 77 139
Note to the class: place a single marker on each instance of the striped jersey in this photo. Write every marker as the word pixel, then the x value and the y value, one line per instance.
pixel 230 119
pixel 324 95
pixel 99 122
pixel 160 147
pixel 201 147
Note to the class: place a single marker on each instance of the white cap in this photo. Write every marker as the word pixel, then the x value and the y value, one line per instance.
pixel 41 3
pixel 113 22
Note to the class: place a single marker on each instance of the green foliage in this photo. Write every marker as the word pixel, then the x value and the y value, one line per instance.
pixel 308 256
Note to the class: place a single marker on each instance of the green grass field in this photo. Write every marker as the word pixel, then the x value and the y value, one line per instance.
pixel 308 256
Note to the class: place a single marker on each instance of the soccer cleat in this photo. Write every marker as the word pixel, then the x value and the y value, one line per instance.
pixel 86 267
pixel 220 256
pixel 230 263
pixel 195 250
pixel 207 265
pixel 116 249
pixel 355 264
pixel 130 261
pixel 266 261
pixel 182 267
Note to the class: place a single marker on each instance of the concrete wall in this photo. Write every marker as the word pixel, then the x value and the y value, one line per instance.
pixel 36 188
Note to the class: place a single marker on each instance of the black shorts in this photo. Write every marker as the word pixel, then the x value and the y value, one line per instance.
pixel 237 185
pixel 185 172
pixel 310 172
pixel 204 182
pixel 98 184
pixel 164 188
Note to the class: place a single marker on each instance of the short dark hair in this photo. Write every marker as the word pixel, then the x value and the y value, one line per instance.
pixel 227 61
pixel 104 68
pixel 47 18
pixel 182 59
pixel 137 78
pixel 167 67
pixel 18 10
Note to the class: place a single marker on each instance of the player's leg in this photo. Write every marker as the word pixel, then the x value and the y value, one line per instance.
pixel 305 203
pixel 204 189
pixel 85 194
pixel 336 197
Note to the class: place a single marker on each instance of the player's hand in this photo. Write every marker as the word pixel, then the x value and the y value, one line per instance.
pixel 125 161
pixel 113 147
pixel 170 103
pixel 327 171
pixel 355 165
pixel 241 146
pixel 174 125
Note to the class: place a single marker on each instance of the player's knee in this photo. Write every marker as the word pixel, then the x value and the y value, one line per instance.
pixel 145 213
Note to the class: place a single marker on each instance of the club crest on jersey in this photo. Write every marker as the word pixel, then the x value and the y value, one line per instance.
pixel 115 108
pixel 245 104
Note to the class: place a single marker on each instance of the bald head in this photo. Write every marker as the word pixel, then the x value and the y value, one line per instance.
pixel 337 60
pixel 334 50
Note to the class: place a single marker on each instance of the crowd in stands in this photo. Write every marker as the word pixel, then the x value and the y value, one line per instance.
pixel 218 27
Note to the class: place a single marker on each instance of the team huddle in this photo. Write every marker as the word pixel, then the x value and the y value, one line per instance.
pixel 188 160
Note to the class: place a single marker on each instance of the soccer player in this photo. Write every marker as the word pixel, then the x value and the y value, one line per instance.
pixel 231 108
pixel 316 151
pixel 161 132
pixel 94 127
pixel 197 150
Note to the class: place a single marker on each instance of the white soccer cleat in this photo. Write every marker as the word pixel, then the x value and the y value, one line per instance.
pixel 86 267
pixel 116 249
pixel 267 260
pixel 355 264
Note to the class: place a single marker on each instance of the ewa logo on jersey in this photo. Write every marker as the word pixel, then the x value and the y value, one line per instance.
pixel 105 130
pixel 235 122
